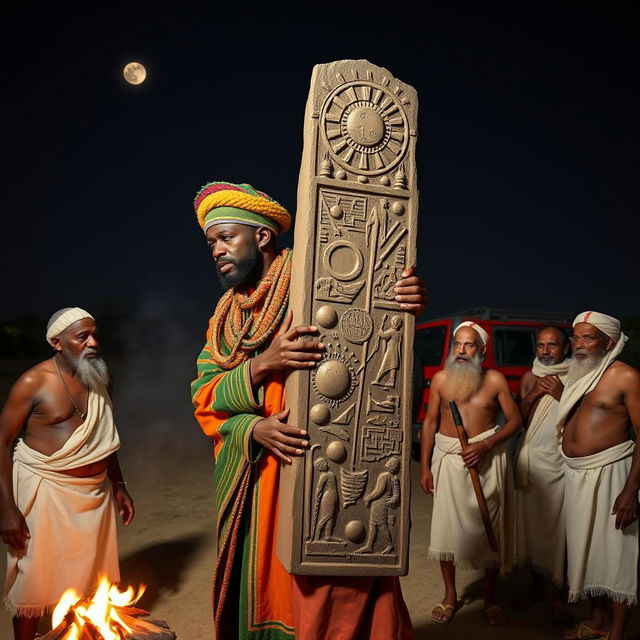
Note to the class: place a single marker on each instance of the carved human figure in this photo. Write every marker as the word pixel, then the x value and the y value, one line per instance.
pixel 325 503
pixel 392 337
pixel 381 215
pixel 384 497
pixel 383 286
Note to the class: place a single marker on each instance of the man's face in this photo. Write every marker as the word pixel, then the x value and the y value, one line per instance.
pixel 236 253
pixel 551 347
pixel 466 344
pixel 589 342
pixel 79 341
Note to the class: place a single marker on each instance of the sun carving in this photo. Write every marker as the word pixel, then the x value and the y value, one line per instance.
pixel 334 379
pixel 365 127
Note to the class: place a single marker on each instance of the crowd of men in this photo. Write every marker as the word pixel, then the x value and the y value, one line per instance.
pixel 577 472
pixel 573 512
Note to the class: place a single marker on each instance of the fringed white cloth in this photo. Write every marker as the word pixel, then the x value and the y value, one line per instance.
pixel 539 480
pixel 601 560
pixel 72 521
pixel 457 531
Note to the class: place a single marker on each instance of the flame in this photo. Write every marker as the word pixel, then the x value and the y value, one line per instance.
pixel 100 610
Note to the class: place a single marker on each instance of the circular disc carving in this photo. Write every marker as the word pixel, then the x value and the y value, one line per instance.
pixel 336 211
pixel 365 127
pixel 326 316
pixel 336 451
pixel 333 379
pixel 343 260
pixel 357 325
pixel 320 414
pixel 397 208
pixel 355 531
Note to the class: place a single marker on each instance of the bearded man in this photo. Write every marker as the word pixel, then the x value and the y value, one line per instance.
pixel 458 537
pixel 56 513
pixel 540 526
pixel 598 408
pixel 239 402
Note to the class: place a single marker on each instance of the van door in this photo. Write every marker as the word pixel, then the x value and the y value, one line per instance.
pixel 429 349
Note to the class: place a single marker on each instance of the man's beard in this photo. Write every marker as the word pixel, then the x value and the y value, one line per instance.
pixel 92 372
pixel 245 270
pixel 462 379
pixel 549 361
pixel 579 367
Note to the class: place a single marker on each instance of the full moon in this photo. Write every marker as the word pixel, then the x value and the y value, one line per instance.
pixel 134 73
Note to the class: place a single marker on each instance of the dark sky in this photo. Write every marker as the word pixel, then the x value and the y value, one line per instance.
pixel 528 145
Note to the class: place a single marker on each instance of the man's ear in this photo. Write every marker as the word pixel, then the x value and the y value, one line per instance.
pixel 483 351
pixel 263 236
pixel 57 345
pixel 609 343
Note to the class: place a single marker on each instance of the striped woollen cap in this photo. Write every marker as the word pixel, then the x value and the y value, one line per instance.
pixel 219 202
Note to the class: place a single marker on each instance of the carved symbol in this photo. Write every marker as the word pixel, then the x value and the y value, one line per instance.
pixel 352 485
pixel 379 442
pixel 325 503
pixel 338 432
pixel 364 126
pixel 326 316
pixel 355 531
pixel 357 325
pixel 334 379
pixel 392 337
pixel 390 405
pixel 384 498
pixel 343 260
pixel 334 291
pixel 320 414
pixel 336 451
pixel 345 416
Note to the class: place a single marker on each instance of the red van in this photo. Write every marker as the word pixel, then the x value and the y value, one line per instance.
pixel 511 348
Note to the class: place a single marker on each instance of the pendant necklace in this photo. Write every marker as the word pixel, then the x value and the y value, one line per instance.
pixel 75 406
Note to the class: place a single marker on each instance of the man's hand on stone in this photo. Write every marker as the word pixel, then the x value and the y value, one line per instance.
pixel 282 439
pixel 287 351
pixel 426 481
pixel 411 292
pixel 13 529
pixel 626 508
pixel 124 502
pixel 473 453
pixel 552 385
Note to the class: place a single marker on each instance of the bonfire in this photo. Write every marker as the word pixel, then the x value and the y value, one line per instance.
pixel 108 614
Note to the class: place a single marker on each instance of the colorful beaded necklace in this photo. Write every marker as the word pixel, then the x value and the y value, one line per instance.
pixel 247 321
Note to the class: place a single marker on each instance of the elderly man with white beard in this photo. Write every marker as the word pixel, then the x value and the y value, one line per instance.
pixel 597 411
pixel 540 526
pixel 458 537
pixel 56 511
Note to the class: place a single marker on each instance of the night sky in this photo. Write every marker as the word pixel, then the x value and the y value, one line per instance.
pixel 528 146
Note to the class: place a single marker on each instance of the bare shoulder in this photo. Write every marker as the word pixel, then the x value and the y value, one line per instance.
pixel 528 378
pixel 33 379
pixel 625 375
pixel 438 378
pixel 496 379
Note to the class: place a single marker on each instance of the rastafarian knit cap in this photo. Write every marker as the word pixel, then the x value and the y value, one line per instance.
pixel 220 202
pixel 63 319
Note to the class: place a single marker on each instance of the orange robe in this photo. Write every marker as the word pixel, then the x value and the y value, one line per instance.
pixel 254 597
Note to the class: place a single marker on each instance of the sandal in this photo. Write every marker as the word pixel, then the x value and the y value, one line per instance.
pixel 584 632
pixel 449 610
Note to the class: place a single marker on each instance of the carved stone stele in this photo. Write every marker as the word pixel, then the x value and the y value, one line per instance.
pixel 344 506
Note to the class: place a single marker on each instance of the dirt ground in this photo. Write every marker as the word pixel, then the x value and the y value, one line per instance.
pixel 170 544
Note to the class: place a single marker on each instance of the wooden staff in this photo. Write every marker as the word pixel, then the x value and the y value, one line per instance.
pixel 475 479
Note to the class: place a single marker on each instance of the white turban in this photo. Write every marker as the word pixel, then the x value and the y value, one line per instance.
pixel 63 319
pixel 607 324
pixel 484 336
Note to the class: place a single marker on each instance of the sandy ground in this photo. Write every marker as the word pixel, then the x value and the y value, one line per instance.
pixel 170 544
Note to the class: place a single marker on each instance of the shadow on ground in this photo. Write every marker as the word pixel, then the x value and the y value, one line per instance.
pixel 161 567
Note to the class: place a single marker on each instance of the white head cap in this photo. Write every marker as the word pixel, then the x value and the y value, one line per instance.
pixel 63 319
pixel 484 336
pixel 607 324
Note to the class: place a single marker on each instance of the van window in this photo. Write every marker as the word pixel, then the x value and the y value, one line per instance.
pixel 514 346
pixel 429 345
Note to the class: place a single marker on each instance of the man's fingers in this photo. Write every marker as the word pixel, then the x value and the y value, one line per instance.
pixel 409 283
pixel 282 415
pixel 289 442
pixel 303 346
pixel 407 273
pixel 292 430
pixel 302 331
pixel 414 298
pixel 286 323
pixel 25 530
pixel 280 455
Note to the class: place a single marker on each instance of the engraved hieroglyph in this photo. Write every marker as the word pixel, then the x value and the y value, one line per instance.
pixel 344 508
